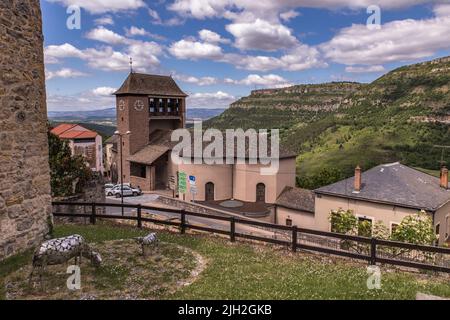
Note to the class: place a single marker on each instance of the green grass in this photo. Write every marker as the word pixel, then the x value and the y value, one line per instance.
pixel 244 271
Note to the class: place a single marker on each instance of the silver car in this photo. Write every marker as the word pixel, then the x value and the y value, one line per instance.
pixel 127 192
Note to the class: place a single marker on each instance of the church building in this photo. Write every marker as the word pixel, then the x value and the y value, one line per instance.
pixel 149 108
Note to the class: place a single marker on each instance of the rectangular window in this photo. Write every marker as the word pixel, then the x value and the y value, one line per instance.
pixel 161 106
pixel 447 229
pixel 289 222
pixel 394 227
pixel 138 170
pixel 152 105
pixel 364 227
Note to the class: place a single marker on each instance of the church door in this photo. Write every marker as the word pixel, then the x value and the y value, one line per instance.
pixel 209 191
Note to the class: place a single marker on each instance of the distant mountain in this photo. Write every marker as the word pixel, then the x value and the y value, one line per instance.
pixel 402 116
pixel 83 115
pixel 110 114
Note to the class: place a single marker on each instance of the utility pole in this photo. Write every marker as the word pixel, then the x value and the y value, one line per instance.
pixel 120 135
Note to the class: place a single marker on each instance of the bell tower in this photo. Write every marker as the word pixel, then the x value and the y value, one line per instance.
pixel 146 104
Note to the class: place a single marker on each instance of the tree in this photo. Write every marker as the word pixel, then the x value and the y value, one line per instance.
pixel 69 174
pixel 416 229
pixel 343 221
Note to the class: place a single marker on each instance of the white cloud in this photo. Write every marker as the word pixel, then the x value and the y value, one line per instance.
pixel 261 35
pixel 202 81
pixel 403 40
pixel 144 54
pixel 202 9
pixel 103 91
pixel 53 53
pixel 289 15
pixel 107 36
pixel 64 73
pixel 211 37
pixel 104 21
pixel 270 80
pixel 136 31
pixel 194 50
pixel 364 69
pixel 94 99
pixel 103 6
pixel 442 10
pixel 156 19
pixel 217 99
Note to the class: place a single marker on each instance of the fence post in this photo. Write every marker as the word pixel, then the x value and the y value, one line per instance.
pixel 183 222
pixel 294 238
pixel 373 251
pixel 232 229
pixel 139 216
pixel 93 214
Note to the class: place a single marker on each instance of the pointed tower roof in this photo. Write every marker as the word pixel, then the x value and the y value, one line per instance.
pixel 147 84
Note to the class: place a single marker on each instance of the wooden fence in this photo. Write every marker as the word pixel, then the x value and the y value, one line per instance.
pixel 371 250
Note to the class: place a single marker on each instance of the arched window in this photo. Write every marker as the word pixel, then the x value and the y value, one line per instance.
pixel 209 191
pixel 261 192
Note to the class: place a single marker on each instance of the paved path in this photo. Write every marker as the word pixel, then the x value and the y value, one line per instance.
pixel 150 200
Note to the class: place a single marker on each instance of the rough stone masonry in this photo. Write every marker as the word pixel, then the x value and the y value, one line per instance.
pixel 25 200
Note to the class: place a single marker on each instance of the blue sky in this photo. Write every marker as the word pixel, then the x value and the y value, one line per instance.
pixel 220 50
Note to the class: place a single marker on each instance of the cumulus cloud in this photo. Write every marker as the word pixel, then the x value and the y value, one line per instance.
pixel 103 91
pixel 211 37
pixel 364 69
pixel 261 35
pixel 217 99
pixel 270 80
pixel 97 98
pixel 194 50
pixel 104 21
pixel 201 81
pixel 64 73
pixel 145 56
pixel 289 15
pixel 103 6
pixel 134 31
pixel 105 35
pixel 403 40
pixel 156 19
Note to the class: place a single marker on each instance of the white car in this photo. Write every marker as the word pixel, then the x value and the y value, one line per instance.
pixel 108 189
pixel 127 191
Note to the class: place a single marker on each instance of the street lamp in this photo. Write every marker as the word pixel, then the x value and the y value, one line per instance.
pixel 121 135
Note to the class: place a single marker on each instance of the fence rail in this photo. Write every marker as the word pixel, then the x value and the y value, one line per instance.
pixel 361 248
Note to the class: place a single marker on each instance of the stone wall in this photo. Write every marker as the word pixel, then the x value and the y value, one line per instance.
pixel 25 201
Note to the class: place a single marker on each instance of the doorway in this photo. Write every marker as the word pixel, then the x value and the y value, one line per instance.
pixel 261 192
pixel 209 191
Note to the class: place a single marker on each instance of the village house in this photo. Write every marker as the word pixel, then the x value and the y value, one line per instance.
pixel 386 193
pixel 84 142
pixel 149 108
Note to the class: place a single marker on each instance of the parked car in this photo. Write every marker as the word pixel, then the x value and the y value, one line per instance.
pixel 108 189
pixel 127 191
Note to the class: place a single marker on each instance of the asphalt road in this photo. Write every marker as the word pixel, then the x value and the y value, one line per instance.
pixel 147 199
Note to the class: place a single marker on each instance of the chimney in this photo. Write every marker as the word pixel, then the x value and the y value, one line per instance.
pixel 444 177
pixel 357 179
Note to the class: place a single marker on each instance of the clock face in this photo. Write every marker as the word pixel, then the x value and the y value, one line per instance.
pixel 121 105
pixel 139 105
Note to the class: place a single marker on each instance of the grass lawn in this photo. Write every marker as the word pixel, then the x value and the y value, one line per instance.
pixel 246 271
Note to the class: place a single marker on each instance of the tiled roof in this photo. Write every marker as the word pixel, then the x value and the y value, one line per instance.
pixel 138 83
pixel 394 184
pixel 70 131
pixel 148 154
pixel 297 199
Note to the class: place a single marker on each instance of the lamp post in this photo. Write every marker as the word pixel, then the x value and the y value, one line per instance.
pixel 120 135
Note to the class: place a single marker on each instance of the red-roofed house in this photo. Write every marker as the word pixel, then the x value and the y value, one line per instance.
pixel 83 142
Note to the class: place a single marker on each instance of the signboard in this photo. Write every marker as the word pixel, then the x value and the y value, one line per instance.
pixel 172 183
pixel 192 180
pixel 182 185
pixel 194 190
